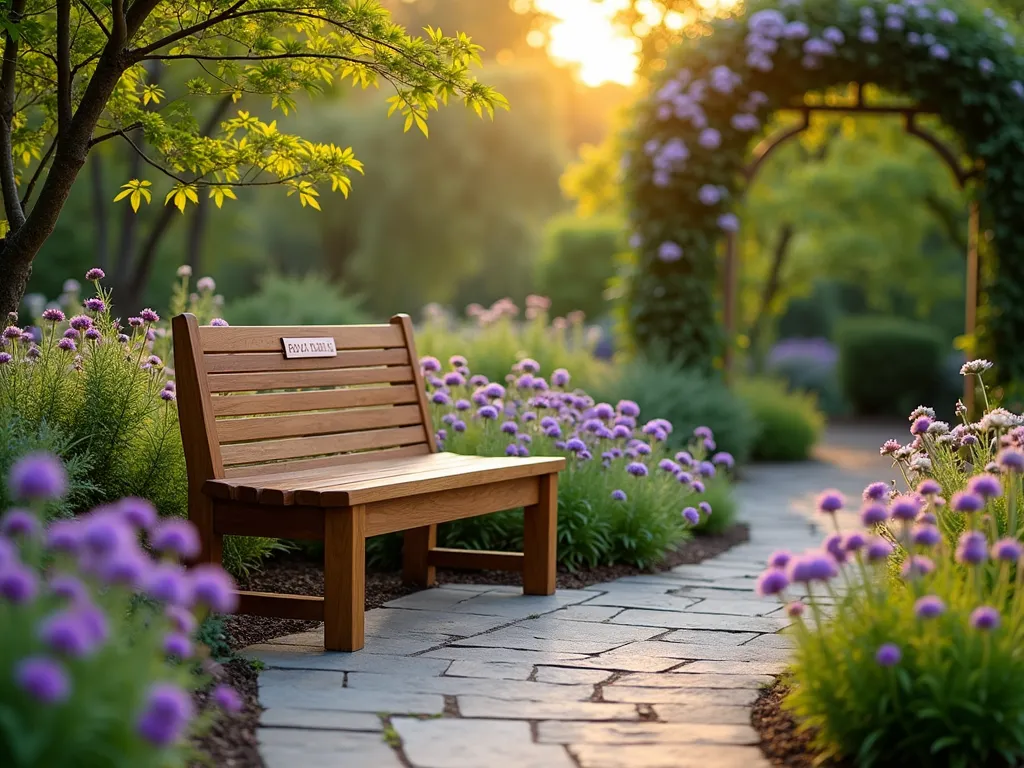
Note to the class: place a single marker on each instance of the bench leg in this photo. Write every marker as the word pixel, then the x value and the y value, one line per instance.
pixel 344 578
pixel 200 514
pixel 416 568
pixel 540 539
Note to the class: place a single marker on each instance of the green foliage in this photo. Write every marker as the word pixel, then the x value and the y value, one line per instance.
pixel 788 423
pixel 888 365
pixel 719 494
pixel 494 339
pixel 17 440
pixel 686 398
pixel 577 263
pixel 310 299
pixel 672 302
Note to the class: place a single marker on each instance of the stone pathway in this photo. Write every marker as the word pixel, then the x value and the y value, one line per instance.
pixel 654 671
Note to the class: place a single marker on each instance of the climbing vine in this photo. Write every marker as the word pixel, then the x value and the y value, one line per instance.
pixel 693 130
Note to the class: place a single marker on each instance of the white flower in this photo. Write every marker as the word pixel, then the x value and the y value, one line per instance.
pixel 921 464
pixel 184 271
pixel 938 428
pixel 977 367
pixel 922 410
pixel 999 418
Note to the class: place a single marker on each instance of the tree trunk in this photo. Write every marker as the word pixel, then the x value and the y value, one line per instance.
pixel 771 287
pixel 99 211
pixel 14 282
pixel 196 230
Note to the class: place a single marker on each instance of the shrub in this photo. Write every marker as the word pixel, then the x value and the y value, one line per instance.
pixel 578 260
pixel 920 663
pixel 888 365
pixel 97 657
pixel 720 497
pixel 494 339
pixel 788 423
pixel 688 399
pixel 809 365
pixel 79 384
pixel 311 299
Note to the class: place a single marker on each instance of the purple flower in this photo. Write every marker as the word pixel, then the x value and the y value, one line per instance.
pixel 93 334
pixel 709 138
pixel 669 252
pixel 917 565
pixel 926 535
pixel 19 522
pixel 985 618
pixel 575 445
pixel 463 405
pixel 619 495
pixel 876 492
pixel 905 507
pixel 1018 88
pixel 95 274
pixel 986 67
pixel 219 322
pixel 5 357
pixel 834 546
pixel 509 427
pixel 166 714
pixel 779 559
pixel 206 285
pixel 812 566
pixel 178 537
pixel 728 222
pixel 929 487
pixel 68 587
pixel 878 549
pixel 704 507
pixel 149 316
pixel 920 425
pixel 181 618
pixel 487 412
pixel 894 23
pixel 815 47
pixel 854 542
pixel 440 398
pixel 457 361
pixel 43 679
pixel 795 610
pixel 18 584
pixel 868 35
pixel 709 194
pixel 888 655
pixel 987 486
pixel 772 582
pixel 38 476
pixel 1008 550
pixel 939 52
pixel 168 584
pixel 929 607
pixel 135 322
pixel 724 459
pixel 698 486
pixel 177 644
pixel 12 332
pixel 454 379
pixel 972 548
pixel 967 502
pixel 68 634
pixel 227 698
pixel 691 515
pixel 628 408
pixel 95 305
pixel 560 377
pixel 68 345
pixel 212 587
pixel 795 30
pixel 81 322
pixel 53 315
pixel 1011 460
pixel 637 469
pixel 494 391
pixel 833 35
pixel 63 536
pixel 168 395
pixel 707 469
pixel 830 502
pixel 946 16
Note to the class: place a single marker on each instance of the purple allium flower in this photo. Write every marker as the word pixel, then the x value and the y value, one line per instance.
pixel 463 405
pixel 604 411
pixel 920 426
pixel 38 476
pixel 987 486
pixel 178 537
pixel 494 391
pixel 177 644
pixel 709 194
pixel 95 274
pixel 929 487
pixel 213 587
pixel 440 398
pixel 888 655
pixel 834 546
pixel 868 35
pixel 832 35
pixel 1008 550
pixel 509 427
pixel 985 618
pixel 669 251
pixel 895 23
pixel 967 502
pixel 830 502
pixel 166 714
pixel 169 395
pixel 854 542
pixel 560 377
pixel 637 469
pixel 729 222
pixel 691 515
pixel 795 30
pixel 619 495
pixel 628 408
pixel 149 316
pixel 206 285
pixel 487 412
pixel 704 507
pixel 219 322
pixel 621 432
pixel 53 315
pixel 780 559
pixel 905 507
pixel 926 535
pixel 1011 460
pixel 685 478
pixel 878 549
pixel 19 522
pixel 182 619
pixel 5 357
pixel 529 365
pixel 95 305
pixel 43 679
pixel 81 322
pixel 986 66
pixel 575 445
pixel 972 548
pixel 772 582
pixel 707 469
pixel 227 698
pixel 917 565
pixel 68 587
pixel 709 138
pixel 724 459
pixel 946 16
pixel 888 448
pixel 18 584
pixel 123 338
pixel 812 566
pixel 167 583
pixel 70 633
pixel 68 345
pixel 63 536
pixel 795 610
pixel 929 607
pixel 135 322
pixel 939 52
pixel 1018 88
pixel 93 334
pixel 876 492
pixel 12 332
pixel 668 465
pixel 697 486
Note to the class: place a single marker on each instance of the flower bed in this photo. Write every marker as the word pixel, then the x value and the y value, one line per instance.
pixel 920 664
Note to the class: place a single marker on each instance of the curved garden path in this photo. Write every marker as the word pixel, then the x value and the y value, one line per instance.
pixel 653 671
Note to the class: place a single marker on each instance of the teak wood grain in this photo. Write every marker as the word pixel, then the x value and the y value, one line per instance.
pixel 337 449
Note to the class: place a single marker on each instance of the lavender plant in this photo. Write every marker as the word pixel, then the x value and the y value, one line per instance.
pixel 907 631
pixel 97 657
pixel 624 498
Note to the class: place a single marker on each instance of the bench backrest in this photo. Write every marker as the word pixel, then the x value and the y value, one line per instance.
pixel 245 407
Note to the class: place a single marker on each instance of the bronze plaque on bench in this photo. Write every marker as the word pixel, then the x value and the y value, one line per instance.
pixel 297 348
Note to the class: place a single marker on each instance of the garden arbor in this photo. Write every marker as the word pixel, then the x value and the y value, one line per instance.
pixel 687 162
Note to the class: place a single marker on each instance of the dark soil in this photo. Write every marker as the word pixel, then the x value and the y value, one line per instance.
pixel 781 741
pixel 231 743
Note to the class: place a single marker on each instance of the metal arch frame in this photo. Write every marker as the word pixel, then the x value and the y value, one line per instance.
pixel 910 125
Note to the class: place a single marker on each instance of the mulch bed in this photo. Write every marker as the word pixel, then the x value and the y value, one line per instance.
pixel 231 743
pixel 781 741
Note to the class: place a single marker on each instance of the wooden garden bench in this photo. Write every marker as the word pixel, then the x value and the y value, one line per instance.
pixel 338 447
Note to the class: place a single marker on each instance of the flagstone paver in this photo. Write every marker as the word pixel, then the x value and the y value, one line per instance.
pixel 648 671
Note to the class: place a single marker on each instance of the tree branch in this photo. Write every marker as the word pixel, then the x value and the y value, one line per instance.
pixel 188 31
pixel 97 19
pixel 120 35
pixel 245 57
pixel 38 172
pixel 113 134
pixel 63 67
pixel 8 176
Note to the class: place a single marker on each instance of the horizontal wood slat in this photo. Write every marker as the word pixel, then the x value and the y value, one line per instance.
pixel 268 339
pixel 477 560
pixel 307 424
pixel 235 518
pixel 324 463
pixel 300 447
pixel 429 508
pixel 259 362
pixel 287 402
pixel 282 606
pixel 342 377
